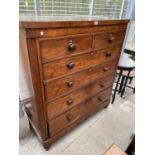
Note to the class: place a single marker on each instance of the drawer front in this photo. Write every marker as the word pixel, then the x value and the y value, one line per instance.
pixel 58 32
pixel 52 48
pixel 63 104
pixel 77 113
pixel 76 63
pixel 73 125
pixel 108 39
pixel 62 86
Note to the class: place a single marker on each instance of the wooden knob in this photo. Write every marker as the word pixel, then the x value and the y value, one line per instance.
pixel 69 102
pixel 111 38
pixel 69 117
pixel 70 65
pixel 70 83
pixel 102 85
pixel 108 54
pixel 100 98
pixel 105 69
pixel 71 46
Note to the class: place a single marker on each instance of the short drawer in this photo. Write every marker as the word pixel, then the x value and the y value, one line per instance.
pixel 64 46
pixel 67 84
pixel 79 112
pixel 107 39
pixel 65 103
pixel 73 64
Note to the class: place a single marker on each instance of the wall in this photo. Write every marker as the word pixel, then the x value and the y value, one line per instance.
pixel 25 83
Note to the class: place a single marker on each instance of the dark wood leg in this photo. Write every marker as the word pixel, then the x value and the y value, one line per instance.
pixel 115 90
pixel 106 106
pixel 46 145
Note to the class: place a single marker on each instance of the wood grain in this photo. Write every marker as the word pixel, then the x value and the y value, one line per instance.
pixel 58 47
pixel 49 32
pixel 73 23
pixel 53 139
pixel 61 105
pixel 58 87
pixel 74 115
pixel 103 40
pixel 61 67
pixel 39 105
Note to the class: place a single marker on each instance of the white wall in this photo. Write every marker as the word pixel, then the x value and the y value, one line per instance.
pixel 25 83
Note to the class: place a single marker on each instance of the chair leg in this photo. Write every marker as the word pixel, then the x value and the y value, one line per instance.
pixel 115 90
pixel 130 80
pixel 126 80
pixel 121 84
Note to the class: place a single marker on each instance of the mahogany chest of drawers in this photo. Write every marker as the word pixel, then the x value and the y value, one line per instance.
pixel 73 65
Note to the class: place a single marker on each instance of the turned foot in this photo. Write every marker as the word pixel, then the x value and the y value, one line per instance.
pixel 46 147
pixel 106 106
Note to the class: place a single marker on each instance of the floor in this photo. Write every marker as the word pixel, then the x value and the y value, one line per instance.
pixel 112 125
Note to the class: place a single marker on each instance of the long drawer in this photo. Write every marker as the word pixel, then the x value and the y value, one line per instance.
pixel 103 40
pixel 67 84
pixel 69 65
pixel 64 46
pixel 65 103
pixel 77 113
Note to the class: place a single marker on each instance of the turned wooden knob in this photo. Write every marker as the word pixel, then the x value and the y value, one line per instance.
pixel 111 38
pixel 70 83
pixel 71 46
pixel 69 117
pixel 69 102
pixel 100 98
pixel 70 65
pixel 102 85
pixel 108 54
